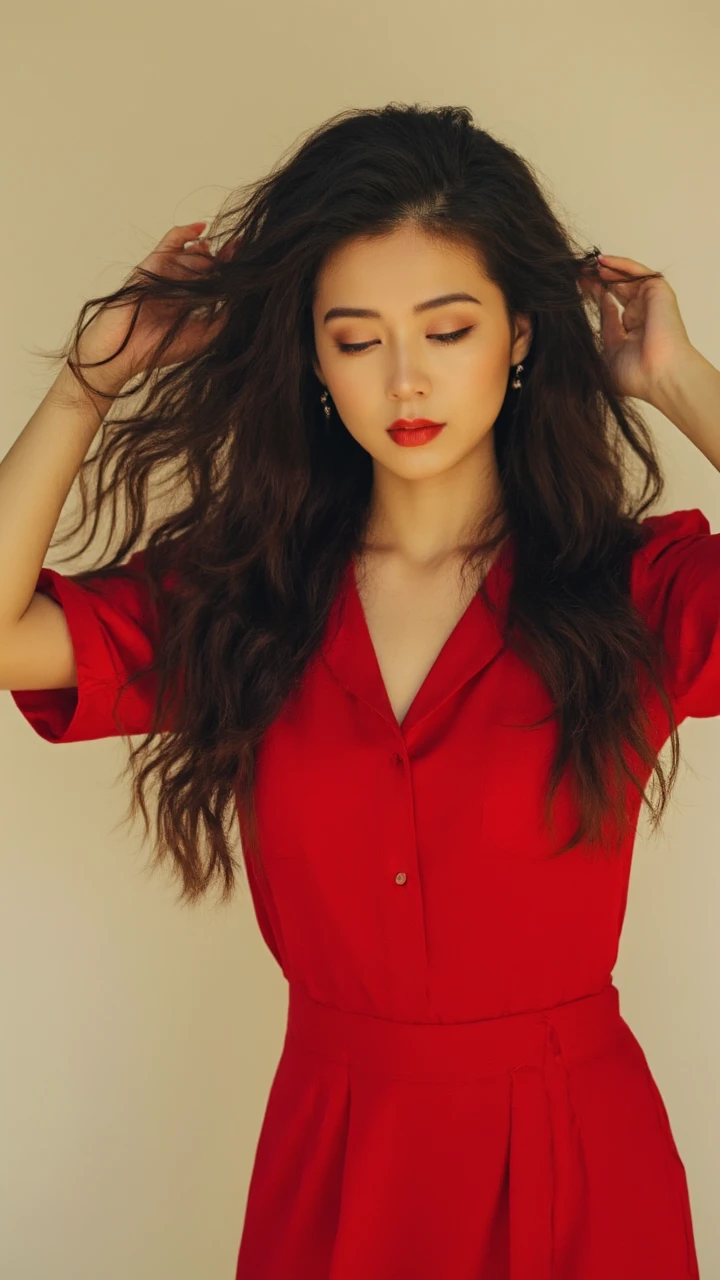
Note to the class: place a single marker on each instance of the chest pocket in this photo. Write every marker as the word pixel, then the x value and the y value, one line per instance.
pixel 516 748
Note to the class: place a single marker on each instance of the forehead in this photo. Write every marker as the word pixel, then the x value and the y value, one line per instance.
pixel 404 262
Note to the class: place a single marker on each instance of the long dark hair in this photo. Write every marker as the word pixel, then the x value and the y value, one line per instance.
pixel 269 504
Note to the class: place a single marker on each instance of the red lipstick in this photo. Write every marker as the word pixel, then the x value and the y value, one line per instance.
pixel 414 431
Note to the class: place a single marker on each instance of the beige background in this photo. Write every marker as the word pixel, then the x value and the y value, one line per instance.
pixel 139 1040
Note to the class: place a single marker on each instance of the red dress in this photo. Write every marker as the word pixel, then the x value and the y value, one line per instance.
pixel 458 1096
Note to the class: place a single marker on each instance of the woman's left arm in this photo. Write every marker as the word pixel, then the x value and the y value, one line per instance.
pixel 649 353
pixel 688 394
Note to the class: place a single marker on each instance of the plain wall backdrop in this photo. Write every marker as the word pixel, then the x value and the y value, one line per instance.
pixel 139 1039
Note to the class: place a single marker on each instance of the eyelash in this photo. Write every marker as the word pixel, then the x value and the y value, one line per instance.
pixel 352 348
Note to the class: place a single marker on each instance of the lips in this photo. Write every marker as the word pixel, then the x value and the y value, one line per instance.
pixel 412 424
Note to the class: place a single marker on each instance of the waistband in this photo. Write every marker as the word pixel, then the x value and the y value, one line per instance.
pixel 445 1051
pixel 548 1180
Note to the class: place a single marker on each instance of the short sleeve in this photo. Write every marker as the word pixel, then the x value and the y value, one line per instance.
pixel 676 586
pixel 114 635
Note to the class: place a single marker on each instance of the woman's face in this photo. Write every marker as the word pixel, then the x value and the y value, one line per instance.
pixel 403 369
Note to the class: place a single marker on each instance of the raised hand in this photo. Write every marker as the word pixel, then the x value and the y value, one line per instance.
pixel 107 331
pixel 648 336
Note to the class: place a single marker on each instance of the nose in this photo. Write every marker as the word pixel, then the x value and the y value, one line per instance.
pixel 405 385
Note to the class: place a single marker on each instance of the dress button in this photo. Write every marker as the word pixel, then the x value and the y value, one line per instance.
pixel 400 877
pixel 397 758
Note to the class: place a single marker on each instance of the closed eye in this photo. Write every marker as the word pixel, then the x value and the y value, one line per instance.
pixel 434 337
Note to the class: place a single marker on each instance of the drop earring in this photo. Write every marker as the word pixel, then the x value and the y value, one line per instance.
pixel 324 402
pixel 516 382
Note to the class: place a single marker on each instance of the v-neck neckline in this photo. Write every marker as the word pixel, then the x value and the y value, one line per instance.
pixel 453 645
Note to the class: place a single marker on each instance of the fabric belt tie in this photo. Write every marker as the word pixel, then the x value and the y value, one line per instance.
pixel 548 1185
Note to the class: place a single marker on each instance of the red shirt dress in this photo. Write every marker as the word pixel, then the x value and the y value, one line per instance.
pixel 458 1096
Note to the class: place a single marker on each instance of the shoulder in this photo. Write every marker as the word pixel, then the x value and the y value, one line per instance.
pixel 665 531
pixel 675 584
pixel 677 547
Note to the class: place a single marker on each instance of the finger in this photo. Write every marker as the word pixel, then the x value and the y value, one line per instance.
pixel 177 237
pixel 622 288
pixel 625 264
pixel 197 246
pixel 613 329
pixel 182 233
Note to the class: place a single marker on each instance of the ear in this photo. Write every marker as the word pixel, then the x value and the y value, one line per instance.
pixel 523 339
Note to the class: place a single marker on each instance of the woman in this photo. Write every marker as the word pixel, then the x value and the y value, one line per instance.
pixel 430 669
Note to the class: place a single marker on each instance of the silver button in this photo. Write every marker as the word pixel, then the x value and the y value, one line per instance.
pixel 400 877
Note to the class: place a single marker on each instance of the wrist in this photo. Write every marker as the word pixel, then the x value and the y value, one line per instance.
pixel 88 409
pixel 105 389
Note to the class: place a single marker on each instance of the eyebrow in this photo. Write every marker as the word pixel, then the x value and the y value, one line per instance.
pixel 363 312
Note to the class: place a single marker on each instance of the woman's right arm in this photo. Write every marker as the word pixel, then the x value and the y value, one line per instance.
pixel 36 476
pixel 109 631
